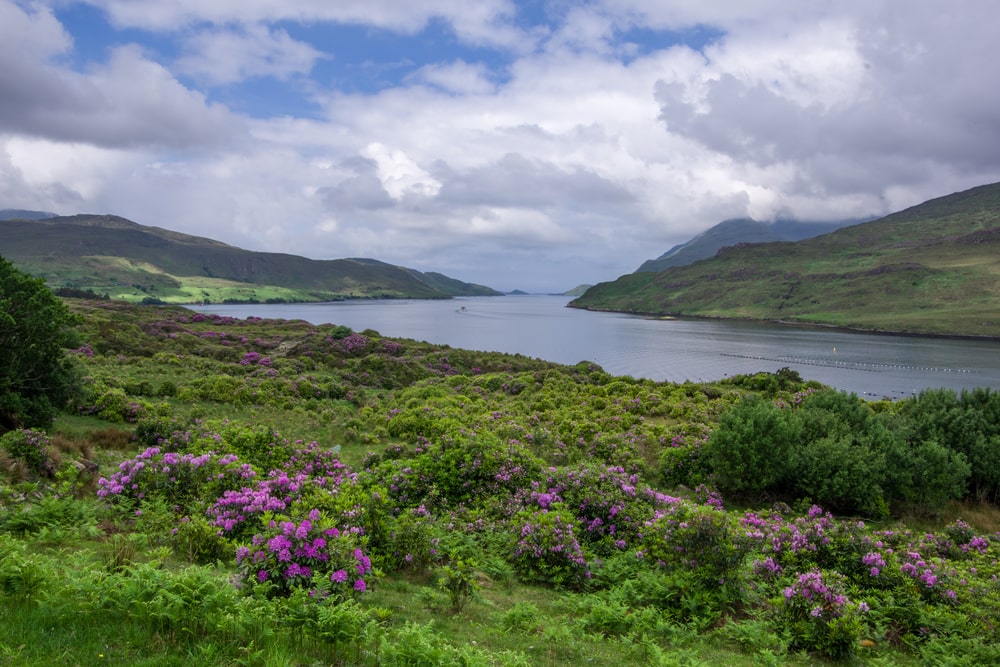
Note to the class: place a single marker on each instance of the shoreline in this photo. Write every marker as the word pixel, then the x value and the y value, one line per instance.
pixel 822 325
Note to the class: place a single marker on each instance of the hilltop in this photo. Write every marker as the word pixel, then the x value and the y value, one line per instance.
pixel 129 261
pixel 733 232
pixel 930 269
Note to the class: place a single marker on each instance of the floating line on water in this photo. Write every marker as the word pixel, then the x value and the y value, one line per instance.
pixel 856 365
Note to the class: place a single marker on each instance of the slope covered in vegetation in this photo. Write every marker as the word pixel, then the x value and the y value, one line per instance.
pixel 932 269
pixel 267 492
pixel 111 255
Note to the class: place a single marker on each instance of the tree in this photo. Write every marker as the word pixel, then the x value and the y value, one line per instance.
pixel 750 452
pixel 36 376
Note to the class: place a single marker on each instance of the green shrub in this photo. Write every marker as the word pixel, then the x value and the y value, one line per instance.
pixel 820 617
pixel 457 578
pixel 36 377
pixel 969 425
pixel 32 448
pixel 698 539
pixel 545 548
pixel 750 450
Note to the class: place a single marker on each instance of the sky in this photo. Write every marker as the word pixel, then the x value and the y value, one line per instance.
pixel 519 144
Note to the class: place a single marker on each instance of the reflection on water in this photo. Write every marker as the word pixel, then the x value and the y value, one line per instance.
pixel 662 349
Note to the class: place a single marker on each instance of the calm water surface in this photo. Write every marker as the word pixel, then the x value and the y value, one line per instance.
pixel 674 350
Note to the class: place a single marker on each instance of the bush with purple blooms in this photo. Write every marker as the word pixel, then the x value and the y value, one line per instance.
pixel 699 539
pixel 186 481
pixel 237 511
pixel 611 504
pixel 353 344
pixel 546 550
pixel 32 449
pixel 309 554
pixel 819 615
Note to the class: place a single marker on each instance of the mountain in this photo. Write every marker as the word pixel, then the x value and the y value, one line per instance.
pixel 930 269
pixel 733 232
pixel 21 214
pixel 577 291
pixel 109 254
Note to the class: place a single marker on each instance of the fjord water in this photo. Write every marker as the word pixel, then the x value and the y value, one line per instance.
pixel 873 366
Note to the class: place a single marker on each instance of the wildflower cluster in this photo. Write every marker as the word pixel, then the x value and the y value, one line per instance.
pixel 546 549
pixel 820 616
pixel 353 344
pixel 308 554
pixel 180 479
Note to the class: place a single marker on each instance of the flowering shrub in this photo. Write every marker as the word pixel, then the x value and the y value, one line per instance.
pixel 392 347
pixel 697 538
pixel 308 554
pixel 352 345
pixel 253 358
pixel 476 466
pixel 820 616
pixel 184 480
pixel 610 504
pixel 546 549
pixel 236 511
pixel 114 405
pixel 32 449
pixel 682 459
pixel 814 540
pixel 411 541
pixel 232 513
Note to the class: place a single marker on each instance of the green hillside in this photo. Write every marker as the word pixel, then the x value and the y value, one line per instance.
pixel 733 232
pixel 931 269
pixel 112 255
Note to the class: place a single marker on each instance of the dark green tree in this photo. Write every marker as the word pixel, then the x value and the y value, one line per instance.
pixel 36 376
pixel 750 452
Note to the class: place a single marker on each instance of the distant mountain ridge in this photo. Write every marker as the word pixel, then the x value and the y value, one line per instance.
pixel 22 214
pixel 734 232
pixel 931 269
pixel 110 254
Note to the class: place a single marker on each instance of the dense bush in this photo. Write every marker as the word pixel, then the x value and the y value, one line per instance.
pixel 36 377
pixel 967 424
pixel 311 554
pixel 833 448
pixel 545 548
pixel 31 449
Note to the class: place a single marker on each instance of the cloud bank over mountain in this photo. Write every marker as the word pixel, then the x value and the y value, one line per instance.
pixel 514 144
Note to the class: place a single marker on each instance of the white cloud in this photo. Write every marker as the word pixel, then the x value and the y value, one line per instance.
pixel 460 78
pixel 557 151
pixel 127 101
pixel 223 56
pixel 480 22
pixel 400 175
